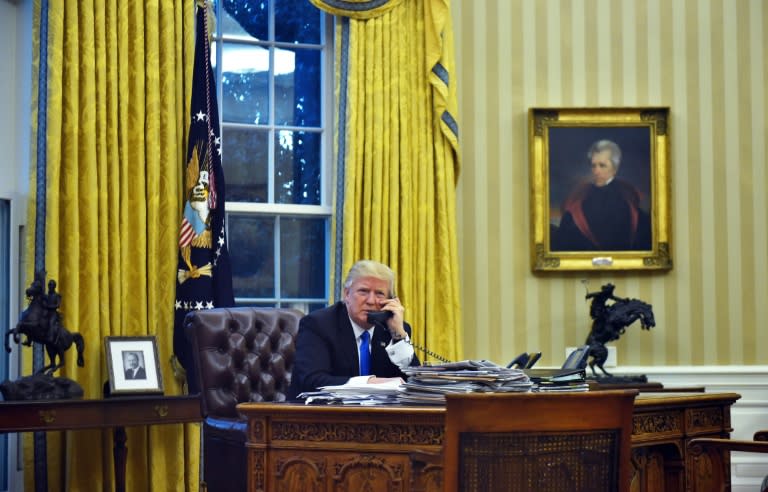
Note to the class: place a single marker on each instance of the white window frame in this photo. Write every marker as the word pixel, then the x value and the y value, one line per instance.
pixel 278 210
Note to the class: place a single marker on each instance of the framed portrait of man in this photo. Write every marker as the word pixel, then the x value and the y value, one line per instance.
pixel 600 191
pixel 133 365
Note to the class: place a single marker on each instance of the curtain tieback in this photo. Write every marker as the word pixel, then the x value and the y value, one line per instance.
pixel 195 272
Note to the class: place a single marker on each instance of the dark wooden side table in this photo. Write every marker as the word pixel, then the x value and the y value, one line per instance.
pixel 116 413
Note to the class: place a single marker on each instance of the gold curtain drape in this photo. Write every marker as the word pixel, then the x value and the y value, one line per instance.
pixel 112 121
pixel 397 156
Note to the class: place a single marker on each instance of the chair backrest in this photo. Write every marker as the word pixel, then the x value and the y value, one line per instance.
pixel 538 441
pixel 242 354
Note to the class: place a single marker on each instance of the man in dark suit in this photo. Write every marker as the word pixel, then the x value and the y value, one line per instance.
pixel 331 347
pixel 134 370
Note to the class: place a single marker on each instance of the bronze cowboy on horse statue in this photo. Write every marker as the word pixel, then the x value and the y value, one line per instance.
pixel 610 322
pixel 41 323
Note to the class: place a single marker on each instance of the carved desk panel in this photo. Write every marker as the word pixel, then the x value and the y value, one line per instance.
pixel 663 425
pixel 294 447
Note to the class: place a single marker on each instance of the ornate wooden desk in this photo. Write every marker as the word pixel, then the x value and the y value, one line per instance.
pixel 296 447
pixel 116 413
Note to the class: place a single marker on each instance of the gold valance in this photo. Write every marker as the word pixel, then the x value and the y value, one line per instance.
pixel 356 9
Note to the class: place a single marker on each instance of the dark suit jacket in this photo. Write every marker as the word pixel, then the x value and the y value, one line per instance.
pixel 327 354
pixel 140 374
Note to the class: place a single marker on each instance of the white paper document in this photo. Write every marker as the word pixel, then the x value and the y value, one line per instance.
pixel 388 387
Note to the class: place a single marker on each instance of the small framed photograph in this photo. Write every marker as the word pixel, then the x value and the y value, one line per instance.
pixel 600 189
pixel 133 365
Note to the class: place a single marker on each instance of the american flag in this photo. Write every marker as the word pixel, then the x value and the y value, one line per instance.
pixel 204 275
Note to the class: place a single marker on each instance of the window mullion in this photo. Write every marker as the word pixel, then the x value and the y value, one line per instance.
pixel 278 257
pixel 271 143
pixel 271 88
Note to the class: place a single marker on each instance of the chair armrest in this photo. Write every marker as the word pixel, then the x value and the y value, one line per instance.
pixel 699 445
pixel 717 450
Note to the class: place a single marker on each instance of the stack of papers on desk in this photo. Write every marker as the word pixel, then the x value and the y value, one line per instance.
pixel 355 394
pixel 428 385
pixel 548 387
pixel 559 375
pixel 546 380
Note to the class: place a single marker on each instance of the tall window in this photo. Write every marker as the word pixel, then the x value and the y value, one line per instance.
pixel 273 64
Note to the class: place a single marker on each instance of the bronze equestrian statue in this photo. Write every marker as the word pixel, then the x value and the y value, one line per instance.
pixel 41 323
pixel 610 322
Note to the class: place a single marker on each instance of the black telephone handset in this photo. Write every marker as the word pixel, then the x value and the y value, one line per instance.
pixel 380 318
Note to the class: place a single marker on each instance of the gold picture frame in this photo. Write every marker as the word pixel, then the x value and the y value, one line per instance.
pixel 133 365
pixel 600 189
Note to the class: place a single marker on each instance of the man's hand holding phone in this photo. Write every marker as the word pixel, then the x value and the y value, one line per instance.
pixel 390 314
pixel 395 324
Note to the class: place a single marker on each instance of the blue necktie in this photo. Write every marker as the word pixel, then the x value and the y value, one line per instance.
pixel 365 354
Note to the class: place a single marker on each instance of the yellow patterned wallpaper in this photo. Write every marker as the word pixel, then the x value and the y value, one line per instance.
pixel 706 60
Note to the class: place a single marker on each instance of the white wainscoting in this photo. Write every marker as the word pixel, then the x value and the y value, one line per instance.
pixel 748 414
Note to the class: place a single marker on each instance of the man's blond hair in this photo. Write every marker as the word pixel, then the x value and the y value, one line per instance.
pixel 370 268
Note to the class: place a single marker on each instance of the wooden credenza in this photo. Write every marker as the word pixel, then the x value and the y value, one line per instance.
pixel 294 447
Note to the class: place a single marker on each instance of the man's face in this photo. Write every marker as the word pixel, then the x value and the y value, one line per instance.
pixel 364 295
pixel 602 168
pixel 131 361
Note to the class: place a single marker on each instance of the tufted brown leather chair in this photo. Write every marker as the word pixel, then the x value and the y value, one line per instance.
pixel 241 354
